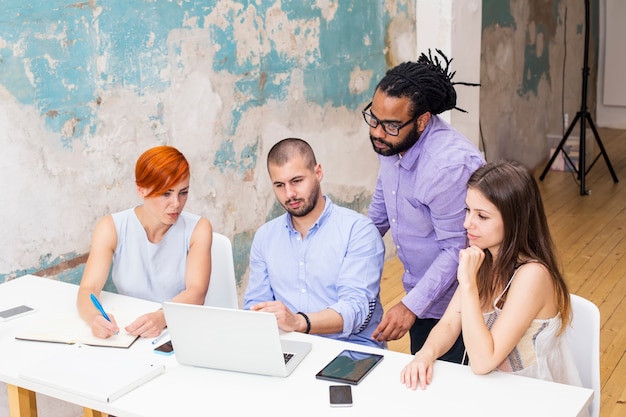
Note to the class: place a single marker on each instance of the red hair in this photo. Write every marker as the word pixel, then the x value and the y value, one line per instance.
pixel 159 169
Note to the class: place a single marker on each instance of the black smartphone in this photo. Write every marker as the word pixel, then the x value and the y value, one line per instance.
pixel 165 349
pixel 340 395
pixel 14 312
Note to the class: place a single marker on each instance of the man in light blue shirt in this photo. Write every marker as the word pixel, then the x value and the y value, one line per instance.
pixel 318 266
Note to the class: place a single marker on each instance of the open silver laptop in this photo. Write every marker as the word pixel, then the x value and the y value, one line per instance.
pixel 231 339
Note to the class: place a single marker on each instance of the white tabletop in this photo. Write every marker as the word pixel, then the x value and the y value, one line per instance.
pixel 183 390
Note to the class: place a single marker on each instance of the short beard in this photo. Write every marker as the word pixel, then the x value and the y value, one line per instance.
pixel 309 203
pixel 408 142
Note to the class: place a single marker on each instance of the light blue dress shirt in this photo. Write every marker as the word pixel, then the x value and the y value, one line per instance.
pixel 420 197
pixel 338 265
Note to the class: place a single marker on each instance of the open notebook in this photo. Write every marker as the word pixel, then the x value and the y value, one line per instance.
pixel 69 328
pixel 92 372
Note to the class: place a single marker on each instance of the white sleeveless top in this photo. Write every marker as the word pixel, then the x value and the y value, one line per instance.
pixel 151 271
pixel 542 352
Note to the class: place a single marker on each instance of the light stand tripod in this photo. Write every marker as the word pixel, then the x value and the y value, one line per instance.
pixel 584 116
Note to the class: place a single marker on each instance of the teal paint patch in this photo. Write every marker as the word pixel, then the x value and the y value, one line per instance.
pixel 535 68
pixel 226 159
pixel 359 203
pixel 276 210
pixel 74 276
pixel 16 274
pixel 497 13
pixel 249 157
pixel 242 242
pixel 134 39
pixel 354 22
pixel 60 57
pixel 45 262
pixel 51 60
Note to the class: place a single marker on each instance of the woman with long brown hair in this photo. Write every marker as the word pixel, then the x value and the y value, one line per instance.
pixel 512 304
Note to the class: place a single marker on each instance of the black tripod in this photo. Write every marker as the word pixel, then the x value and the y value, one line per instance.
pixel 584 116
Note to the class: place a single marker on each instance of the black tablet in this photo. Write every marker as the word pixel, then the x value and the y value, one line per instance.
pixel 350 367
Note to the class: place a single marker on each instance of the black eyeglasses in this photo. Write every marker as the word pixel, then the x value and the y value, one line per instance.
pixel 390 128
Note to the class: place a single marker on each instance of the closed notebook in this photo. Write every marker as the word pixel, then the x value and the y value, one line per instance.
pixel 92 372
pixel 69 328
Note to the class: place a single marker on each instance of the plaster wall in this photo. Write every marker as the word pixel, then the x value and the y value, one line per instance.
pixel 86 87
pixel 611 100
pixel 531 74
pixel 454 27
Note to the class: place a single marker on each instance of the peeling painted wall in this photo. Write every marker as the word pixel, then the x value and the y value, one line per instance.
pixel 86 87
pixel 531 74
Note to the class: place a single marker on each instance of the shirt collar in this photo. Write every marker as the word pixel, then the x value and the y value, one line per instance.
pixel 410 157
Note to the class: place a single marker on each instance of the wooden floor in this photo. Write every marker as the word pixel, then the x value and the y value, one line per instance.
pixel 589 235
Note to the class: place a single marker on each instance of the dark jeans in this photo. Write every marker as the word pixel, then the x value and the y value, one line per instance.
pixel 419 332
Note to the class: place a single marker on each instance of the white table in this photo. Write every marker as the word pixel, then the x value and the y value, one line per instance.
pixel 183 390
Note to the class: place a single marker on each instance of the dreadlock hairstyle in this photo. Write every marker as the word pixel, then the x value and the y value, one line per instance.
pixel 513 190
pixel 425 82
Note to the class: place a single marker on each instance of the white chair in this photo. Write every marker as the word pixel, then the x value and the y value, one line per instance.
pixel 223 285
pixel 583 336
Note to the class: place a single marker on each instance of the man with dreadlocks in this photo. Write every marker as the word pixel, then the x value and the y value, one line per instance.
pixel 420 192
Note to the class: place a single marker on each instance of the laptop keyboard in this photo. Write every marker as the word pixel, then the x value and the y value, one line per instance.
pixel 287 357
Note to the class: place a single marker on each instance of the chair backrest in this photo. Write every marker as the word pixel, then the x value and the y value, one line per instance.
pixel 223 285
pixel 583 336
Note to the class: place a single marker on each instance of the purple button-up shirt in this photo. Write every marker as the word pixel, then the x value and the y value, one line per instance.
pixel 420 196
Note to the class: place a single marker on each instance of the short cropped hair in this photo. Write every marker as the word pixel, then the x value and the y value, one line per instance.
pixel 160 168
pixel 286 149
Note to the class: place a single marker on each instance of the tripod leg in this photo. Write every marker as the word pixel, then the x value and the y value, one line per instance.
pixel 582 153
pixel 560 147
pixel 602 150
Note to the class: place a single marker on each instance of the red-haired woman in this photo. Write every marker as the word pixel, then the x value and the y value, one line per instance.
pixel 155 251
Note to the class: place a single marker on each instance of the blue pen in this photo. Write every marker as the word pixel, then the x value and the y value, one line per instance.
pixel 95 302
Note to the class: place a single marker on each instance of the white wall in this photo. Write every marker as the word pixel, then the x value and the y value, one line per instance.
pixel 454 27
pixel 611 102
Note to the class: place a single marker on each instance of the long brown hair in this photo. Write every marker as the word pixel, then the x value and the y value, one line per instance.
pixel 160 168
pixel 513 190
